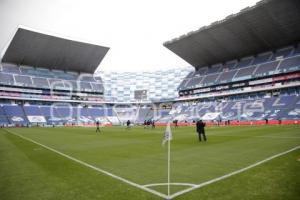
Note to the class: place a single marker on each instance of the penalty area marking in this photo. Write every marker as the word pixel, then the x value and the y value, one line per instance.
pixel 232 173
pixel 145 187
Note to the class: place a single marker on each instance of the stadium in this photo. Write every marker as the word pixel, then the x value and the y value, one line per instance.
pixel 242 84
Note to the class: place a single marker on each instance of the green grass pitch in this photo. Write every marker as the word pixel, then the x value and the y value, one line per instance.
pixel 29 171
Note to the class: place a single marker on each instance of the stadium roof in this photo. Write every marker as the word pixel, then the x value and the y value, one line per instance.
pixel 268 25
pixel 42 50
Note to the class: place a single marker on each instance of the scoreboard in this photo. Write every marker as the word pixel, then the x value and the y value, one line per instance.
pixel 140 94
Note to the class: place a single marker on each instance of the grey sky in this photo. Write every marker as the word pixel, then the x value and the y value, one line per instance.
pixel 134 29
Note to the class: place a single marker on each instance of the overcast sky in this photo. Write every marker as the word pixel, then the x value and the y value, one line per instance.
pixel 133 29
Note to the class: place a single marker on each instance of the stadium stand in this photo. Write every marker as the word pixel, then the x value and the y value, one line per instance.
pixel 52 114
pixel 50 77
pixel 250 73
pixel 244 70
pixel 50 89
pixel 15 114
pixel 252 65
pixel 3 116
pixel 37 78
pixel 283 107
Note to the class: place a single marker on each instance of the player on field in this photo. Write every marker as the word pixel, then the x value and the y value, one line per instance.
pixel 128 124
pixel 148 123
pixel 98 127
pixel 153 124
pixel 175 123
pixel 267 121
pixel 200 130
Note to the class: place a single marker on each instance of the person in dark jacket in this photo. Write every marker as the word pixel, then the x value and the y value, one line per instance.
pixel 98 127
pixel 200 130
pixel 148 123
pixel 153 124
pixel 267 121
pixel 128 124
pixel 175 123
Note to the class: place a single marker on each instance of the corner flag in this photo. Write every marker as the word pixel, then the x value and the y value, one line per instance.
pixel 168 134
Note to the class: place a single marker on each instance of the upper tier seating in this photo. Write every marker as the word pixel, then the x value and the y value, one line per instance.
pixel 10 68
pixel 209 79
pixel 23 80
pixel 265 64
pixel 27 76
pixel 41 82
pixel 214 69
pixel 230 65
pixel 286 52
pixel 265 69
pixel 244 73
pixel 227 76
pixel 296 51
pixel 244 62
pixel 185 81
pixel 290 64
pixel 6 79
pixel 261 58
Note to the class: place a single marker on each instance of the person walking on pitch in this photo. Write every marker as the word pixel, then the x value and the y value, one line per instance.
pixel 98 127
pixel 200 130
pixel 175 123
pixel 128 124
pixel 153 124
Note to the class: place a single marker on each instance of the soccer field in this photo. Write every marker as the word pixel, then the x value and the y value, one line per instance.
pixel 249 162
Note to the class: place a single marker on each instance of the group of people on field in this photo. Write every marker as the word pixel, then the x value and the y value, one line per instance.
pixel 149 123
pixel 128 123
pixel 200 127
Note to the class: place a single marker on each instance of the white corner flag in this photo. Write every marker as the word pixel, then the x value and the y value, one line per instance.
pixel 168 134
pixel 167 138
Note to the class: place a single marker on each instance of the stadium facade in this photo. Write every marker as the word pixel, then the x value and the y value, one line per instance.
pixel 158 85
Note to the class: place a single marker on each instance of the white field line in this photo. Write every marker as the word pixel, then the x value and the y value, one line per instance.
pixel 94 168
pixel 232 173
pixel 162 184
pixel 247 136
pixel 280 137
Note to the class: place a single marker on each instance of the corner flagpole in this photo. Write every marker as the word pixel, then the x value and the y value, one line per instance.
pixel 169 168
pixel 167 138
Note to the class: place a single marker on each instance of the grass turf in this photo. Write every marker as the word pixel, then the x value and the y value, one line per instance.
pixel 29 171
